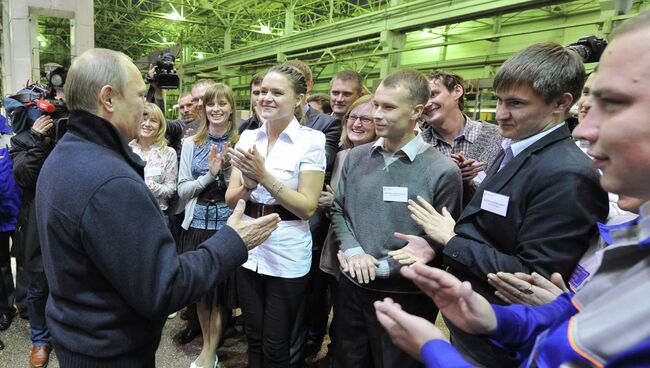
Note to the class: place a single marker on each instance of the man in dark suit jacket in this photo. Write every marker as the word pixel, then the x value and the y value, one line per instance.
pixel 536 208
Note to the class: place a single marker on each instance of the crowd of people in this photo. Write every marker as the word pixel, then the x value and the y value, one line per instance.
pixel 391 207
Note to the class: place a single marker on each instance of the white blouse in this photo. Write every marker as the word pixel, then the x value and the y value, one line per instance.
pixel 161 171
pixel 287 252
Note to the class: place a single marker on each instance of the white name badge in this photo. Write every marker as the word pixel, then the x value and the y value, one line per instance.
pixel 396 194
pixel 154 171
pixel 495 203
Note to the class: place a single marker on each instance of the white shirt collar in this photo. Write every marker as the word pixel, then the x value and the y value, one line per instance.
pixel 519 146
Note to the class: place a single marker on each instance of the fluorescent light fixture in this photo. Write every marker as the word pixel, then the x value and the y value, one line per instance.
pixel 199 55
pixel 265 29
pixel 174 15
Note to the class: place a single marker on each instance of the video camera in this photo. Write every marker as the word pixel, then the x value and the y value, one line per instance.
pixel 164 74
pixel 29 103
pixel 589 48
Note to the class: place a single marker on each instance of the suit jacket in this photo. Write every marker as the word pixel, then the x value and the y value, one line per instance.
pixel 554 202
pixel 331 127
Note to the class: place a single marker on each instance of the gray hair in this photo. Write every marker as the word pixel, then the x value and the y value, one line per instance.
pixel 549 69
pixel 413 81
pixel 91 71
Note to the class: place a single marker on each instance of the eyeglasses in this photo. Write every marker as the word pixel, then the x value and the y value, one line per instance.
pixel 365 120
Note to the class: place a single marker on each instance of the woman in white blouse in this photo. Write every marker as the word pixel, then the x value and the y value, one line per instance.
pixel 161 171
pixel 277 168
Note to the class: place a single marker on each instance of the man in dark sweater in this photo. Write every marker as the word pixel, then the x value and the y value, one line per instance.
pixel 109 258
pixel 370 207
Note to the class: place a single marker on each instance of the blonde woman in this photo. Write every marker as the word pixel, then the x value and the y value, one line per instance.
pixel 161 171
pixel 202 183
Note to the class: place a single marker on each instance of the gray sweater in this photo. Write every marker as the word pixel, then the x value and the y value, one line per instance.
pixel 363 222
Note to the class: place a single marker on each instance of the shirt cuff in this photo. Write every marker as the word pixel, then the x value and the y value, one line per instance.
pixel 439 353
pixel 383 270
pixel 349 253
pixel 506 322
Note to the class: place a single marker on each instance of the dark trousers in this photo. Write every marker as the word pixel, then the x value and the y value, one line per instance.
pixel 6 278
pixel 360 340
pixel 269 305
pixel 37 293
pixel 311 321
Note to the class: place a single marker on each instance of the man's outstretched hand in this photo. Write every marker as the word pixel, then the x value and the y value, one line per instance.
pixel 253 232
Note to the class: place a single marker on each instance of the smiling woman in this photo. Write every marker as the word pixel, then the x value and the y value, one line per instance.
pixel 202 184
pixel 278 168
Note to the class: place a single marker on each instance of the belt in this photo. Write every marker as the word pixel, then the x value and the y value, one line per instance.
pixel 256 210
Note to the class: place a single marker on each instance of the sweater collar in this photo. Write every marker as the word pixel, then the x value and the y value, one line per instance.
pixel 100 131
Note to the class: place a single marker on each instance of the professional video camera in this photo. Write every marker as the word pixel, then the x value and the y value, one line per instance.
pixel 29 103
pixel 589 48
pixel 164 74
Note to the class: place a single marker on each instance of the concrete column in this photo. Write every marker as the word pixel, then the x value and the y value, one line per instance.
pixel 20 35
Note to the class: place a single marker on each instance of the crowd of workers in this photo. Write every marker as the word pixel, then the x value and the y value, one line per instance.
pixel 388 210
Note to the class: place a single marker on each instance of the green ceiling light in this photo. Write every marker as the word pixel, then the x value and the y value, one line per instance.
pixel 265 29
pixel 174 15
pixel 199 55
pixel 41 40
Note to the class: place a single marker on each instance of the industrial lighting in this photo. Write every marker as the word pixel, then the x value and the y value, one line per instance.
pixel 42 40
pixel 164 39
pixel 174 15
pixel 265 29
pixel 199 55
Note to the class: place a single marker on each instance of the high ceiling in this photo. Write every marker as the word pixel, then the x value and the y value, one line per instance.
pixel 201 28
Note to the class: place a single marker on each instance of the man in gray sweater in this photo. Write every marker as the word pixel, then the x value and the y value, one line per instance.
pixel 370 212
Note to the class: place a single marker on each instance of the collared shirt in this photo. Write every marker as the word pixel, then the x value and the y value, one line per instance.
pixel 462 142
pixel 413 148
pixel 287 252
pixel 519 146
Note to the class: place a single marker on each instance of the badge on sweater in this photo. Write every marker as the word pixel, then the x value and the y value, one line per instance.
pixel 396 194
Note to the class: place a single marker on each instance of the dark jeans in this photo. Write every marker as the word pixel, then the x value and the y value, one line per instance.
pixel 360 340
pixel 37 292
pixel 269 305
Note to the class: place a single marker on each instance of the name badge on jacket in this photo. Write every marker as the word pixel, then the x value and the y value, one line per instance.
pixel 495 203
pixel 396 194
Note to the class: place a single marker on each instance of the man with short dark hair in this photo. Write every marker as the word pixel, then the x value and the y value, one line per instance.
pixel 109 257
pixel 535 211
pixel 254 121
pixel 473 145
pixel 345 87
pixel 398 167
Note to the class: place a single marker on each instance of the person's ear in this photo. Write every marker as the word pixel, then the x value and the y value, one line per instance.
pixel 457 92
pixel 301 100
pixel 417 112
pixel 106 95
pixel 562 103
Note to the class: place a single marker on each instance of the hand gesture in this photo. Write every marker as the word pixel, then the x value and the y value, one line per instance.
pixel 43 124
pixel 440 227
pixel 469 168
pixel 416 250
pixel 521 288
pixel 253 232
pixel 465 308
pixel 362 266
pixel 215 160
pixel 407 331
pixel 326 199
pixel 250 163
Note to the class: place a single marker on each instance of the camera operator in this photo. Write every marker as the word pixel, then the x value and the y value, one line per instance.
pixel 30 148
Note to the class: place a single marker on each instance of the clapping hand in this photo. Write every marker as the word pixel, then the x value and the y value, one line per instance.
pixel 417 249
pixel 249 162
pixel 439 226
pixel 326 199
pixel 407 331
pixel 522 288
pixel 469 168
pixel 215 160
